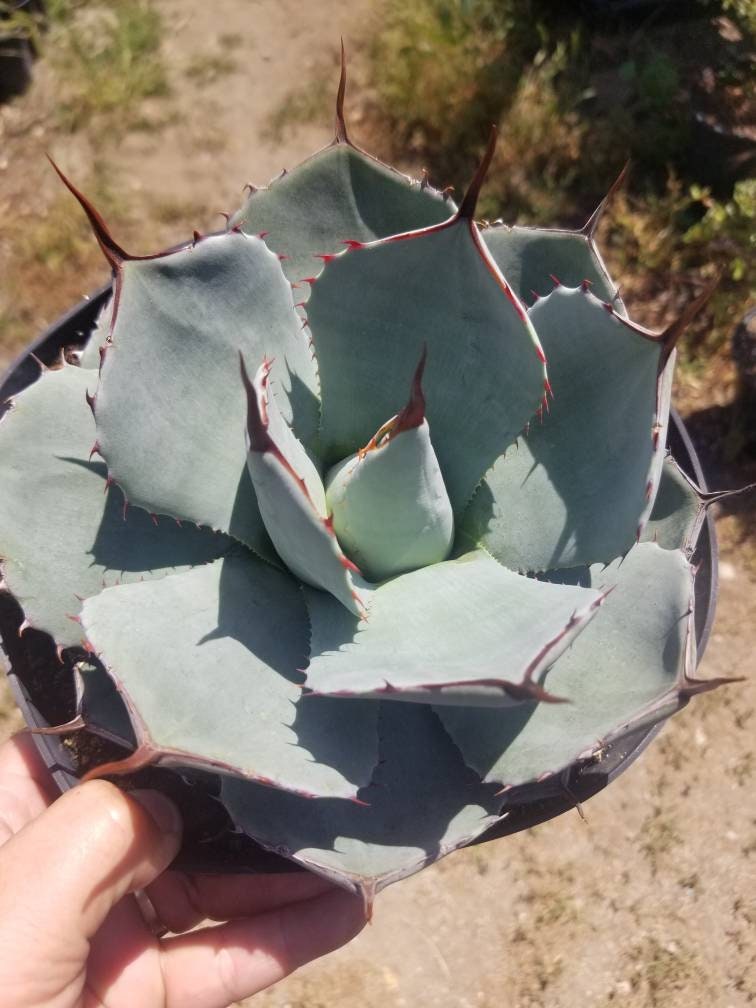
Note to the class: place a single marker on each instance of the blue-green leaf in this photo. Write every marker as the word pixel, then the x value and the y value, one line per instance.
pixel 63 533
pixel 390 508
pixel 292 500
pixel 226 692
pixel 339 194
pixel 90 355
pixel 624 671
pixel 465 631
pixel 100 705
pixel 678 510
pixel 579 485
pixel 170 408
pixel 421 805
pixel 531 259
pixel 374 308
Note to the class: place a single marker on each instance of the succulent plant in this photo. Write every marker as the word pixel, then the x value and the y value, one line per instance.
pixel 341 519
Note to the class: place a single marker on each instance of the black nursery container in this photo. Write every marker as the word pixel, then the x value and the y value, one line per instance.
pixel 16 46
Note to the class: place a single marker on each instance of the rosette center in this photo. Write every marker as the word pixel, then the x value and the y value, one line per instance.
pixel 390 509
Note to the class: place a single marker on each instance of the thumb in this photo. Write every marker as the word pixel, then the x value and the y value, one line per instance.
pixel 70 866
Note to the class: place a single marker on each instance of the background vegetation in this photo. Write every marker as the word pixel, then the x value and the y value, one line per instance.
pixel 576 90
pixel 99 64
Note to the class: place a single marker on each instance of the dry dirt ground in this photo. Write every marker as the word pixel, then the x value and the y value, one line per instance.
pixel 652 901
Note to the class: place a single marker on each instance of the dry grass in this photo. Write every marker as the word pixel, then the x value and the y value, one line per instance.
pixel 108 60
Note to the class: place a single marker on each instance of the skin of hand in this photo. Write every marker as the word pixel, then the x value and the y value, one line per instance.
pixel 73 936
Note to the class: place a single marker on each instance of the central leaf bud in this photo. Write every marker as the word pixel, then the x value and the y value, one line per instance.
pixel 390 509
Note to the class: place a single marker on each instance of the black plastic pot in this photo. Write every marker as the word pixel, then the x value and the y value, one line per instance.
pixel 209 843
pixel 17 49
pixel 15 66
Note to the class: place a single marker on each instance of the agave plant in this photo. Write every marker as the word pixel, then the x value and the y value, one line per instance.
pixel 341 519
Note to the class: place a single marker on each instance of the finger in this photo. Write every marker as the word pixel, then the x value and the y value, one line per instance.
pixel 26 787
pixel 182 901
pixel 123 966
pixel 216 966
pixel 20 756
pixel 114 844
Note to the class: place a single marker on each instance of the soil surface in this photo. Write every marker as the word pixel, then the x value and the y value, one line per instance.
pixel 649 902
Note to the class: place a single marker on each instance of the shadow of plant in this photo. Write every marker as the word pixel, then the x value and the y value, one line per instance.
pixel 421 798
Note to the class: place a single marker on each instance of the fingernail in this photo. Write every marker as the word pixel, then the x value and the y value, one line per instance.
pixel 164 812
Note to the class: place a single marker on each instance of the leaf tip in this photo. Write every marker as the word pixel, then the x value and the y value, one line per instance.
pixel 470 200
pixel 340 122
pixel 588 230
pixel 112 251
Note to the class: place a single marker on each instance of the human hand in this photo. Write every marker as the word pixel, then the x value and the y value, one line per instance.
pixel 71 936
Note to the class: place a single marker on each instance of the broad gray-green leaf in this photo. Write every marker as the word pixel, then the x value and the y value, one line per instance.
pixel 90 355
pixel 579 486
pixel 621 673
pixel 62 534
pixel 371 311
pixel 100 705
pixel 463 631
pixel 422 804
pixel 335 196
pixel 390 508
pixel 170 407
pixel 226 693
pixel 531 257
pixel 292 500
pixel 268 429
pixel 678 510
